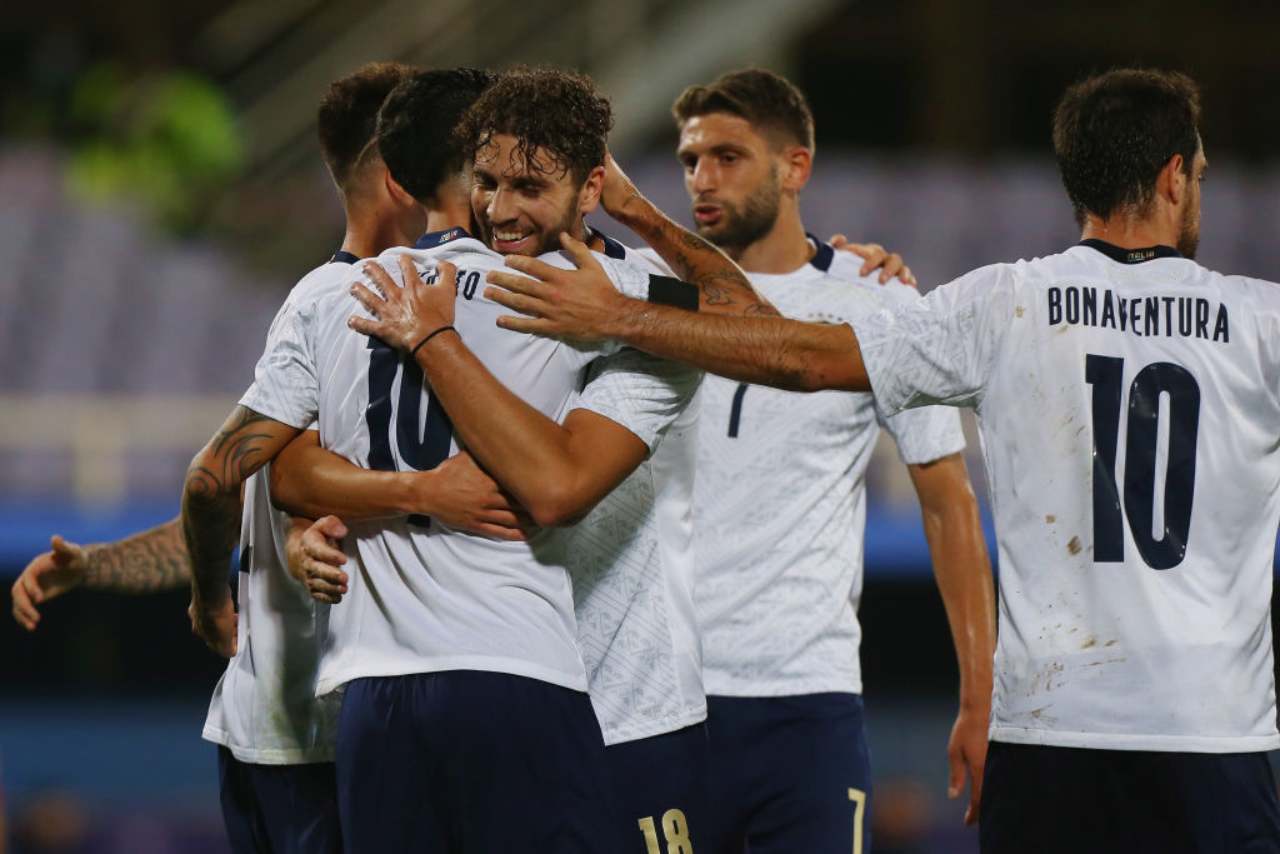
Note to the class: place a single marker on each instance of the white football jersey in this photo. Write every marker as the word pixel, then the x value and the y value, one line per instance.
pixel 632 559
pixel 424 598
pixel 780 503
pixel 1129 407
pixel 264 708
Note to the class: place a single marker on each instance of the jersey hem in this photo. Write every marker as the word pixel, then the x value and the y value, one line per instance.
pixel 269 755
pixel 782 689
pixel 326 684
pixel 1137 741
pixel 672 723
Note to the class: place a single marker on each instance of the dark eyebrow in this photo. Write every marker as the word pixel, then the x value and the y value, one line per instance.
pixel 528 182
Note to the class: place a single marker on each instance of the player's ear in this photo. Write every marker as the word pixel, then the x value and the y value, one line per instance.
pixel 589 195
pixel 398 194
pixel 1171 183
pixel 797 167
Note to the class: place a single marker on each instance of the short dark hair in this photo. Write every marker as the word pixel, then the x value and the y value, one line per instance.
pixel 416 127
pixel 1114 132
pixel 768 101
pixel 549 108
pixel 348 115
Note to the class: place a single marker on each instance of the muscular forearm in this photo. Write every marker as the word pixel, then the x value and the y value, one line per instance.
pixel 963 572
pixel 151 561
pixel 723 287
pixel 309 481
pixel 491 421
pixel 773 351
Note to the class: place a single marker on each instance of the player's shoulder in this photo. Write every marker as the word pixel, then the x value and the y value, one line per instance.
pixel 320 281
pixel 454 245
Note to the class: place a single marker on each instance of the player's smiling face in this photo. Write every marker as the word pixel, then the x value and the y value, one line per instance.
pixel 732 174
pixel 523 201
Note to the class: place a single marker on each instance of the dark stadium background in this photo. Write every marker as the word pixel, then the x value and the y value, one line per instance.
pixel 160 190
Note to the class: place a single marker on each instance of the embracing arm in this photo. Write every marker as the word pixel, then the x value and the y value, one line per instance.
pixel 211 514
pixel 307 480
pixel 962 568
pixel 310 481
pixel 562 470
pixel 583 303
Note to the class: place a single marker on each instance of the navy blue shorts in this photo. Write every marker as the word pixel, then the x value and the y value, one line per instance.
pixel 1062 799
pixel 789 774
pixel 662 790
pixel 279 809
pixel 471 762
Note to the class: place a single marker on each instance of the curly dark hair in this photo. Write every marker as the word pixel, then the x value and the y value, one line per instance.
pixel 348 115
pixel 416 124
pixel 1114 132
pixel 768 101
pixel 558 111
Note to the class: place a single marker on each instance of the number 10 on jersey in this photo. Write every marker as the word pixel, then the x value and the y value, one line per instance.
pixel 1180 425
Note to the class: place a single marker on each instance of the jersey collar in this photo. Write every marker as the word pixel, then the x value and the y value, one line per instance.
pixel 438 238
pixel 1130 256
pixel 612 248
pixel 824 255
pixel 342 256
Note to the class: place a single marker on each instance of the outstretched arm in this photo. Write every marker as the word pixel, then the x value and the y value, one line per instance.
pixel 584 304
pixel 211 515
pixel 963 572
pixel 146 562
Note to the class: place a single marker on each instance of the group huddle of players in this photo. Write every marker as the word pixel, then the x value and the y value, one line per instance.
pixel 517 575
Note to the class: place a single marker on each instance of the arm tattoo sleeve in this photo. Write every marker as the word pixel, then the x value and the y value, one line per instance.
pixel 148 562
pixel 723 286
pixel 211 495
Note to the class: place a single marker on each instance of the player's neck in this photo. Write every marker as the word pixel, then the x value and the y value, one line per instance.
pixel 369 233
pixel 784 249
pixel 450 210
pixel 1130 232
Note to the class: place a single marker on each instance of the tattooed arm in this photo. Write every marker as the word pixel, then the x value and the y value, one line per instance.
pixel 723 287
pixel 583 304
pixel 148 562
pixel 211 515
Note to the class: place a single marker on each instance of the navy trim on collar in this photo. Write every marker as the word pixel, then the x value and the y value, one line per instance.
pixel 612 248
pixel 438 238
pixel 824 255
pixel 342 256
pixel 1130 256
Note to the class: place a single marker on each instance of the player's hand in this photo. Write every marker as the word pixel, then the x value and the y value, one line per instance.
pixel 618 191
pixel 318 560
pixel 465 498
pixel 967 755
pixel 47 577
pixel 214 622
pixel 876 257
pixel 404 316
pixel 581 304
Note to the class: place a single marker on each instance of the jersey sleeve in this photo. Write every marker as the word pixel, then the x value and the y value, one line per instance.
pixel 942 348
pixel 643 393
pixel 285 384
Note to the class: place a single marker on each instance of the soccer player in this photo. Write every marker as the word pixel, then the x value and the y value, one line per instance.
pixel 779 508
pixel 458 653
pixel 1134 691
pixel 275 738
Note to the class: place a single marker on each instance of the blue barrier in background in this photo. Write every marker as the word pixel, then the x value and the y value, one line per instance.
pixel 895 546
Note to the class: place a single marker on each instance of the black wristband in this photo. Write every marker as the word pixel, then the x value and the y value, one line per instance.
pixel 418 346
